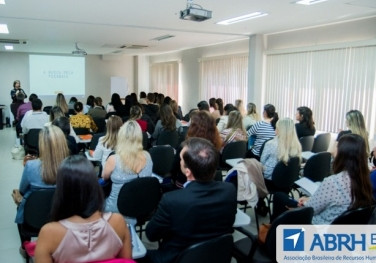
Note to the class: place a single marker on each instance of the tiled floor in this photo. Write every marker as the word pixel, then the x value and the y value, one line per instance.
pixel 10 175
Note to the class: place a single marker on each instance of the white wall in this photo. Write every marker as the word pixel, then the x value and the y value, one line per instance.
pixel 99 71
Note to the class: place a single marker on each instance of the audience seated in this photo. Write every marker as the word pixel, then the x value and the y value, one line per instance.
pixel 214 108
pixel 305 125
pixel 24 108
pixel 349 188
pixel 135 115
pixel 167 122
pixel 64 124
pixel 15 105
pixel 263 130
pixel 176 110
pixel 80 231
pixel 219 102
pixel 251 117
pixel 152 109
pixel 55 113
pixel 37 119
pixel 202 124
pixel 97 111
pixel 240 106
pixel 203 105
pixel 234 130
pixel 355 123
pixel 62 103
pixel 190 215
pixel 116 105
pixel 89 104
pixel 129 162
pixel 107 143
pixel 41 173
pixel 222 124
pixel 80 120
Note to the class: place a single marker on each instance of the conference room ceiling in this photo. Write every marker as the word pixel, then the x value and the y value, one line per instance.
pixel 130 27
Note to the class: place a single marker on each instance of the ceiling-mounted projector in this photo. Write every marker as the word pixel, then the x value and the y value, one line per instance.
pixel 79 51
pixel 194 13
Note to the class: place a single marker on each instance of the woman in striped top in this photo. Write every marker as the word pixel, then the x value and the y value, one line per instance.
pixel 263 130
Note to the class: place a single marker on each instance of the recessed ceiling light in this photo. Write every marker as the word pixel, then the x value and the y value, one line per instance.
pixel 4 29
pixel 310 2
pixel 242 18
pixel 2 2
pixel 8 47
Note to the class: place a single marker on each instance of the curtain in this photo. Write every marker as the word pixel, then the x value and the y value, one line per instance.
pixel 164 78
pixel 330 82
pixel 224 77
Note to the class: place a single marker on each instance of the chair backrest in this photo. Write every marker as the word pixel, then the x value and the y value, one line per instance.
pixel 101 124
pixel 216 250
pixel 296 216
pixel 168 137
pixel 182 131
pixel 307 143
pixel 163 158
pixel 95 139
pixel 318 166
pixel 321 143
pixel 284 176
pixel 234 150
pixel 360 216
pixel 263 145
pixel 32 141
pixel 37 208
pixel 139 198
pixel 47 109
pixel 81 131
pixel 145 141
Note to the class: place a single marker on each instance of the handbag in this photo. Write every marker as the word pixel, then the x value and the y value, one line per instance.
pixel 17 197
pixel 263 232
pixel 18 152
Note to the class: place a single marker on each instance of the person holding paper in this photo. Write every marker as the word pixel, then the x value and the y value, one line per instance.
pixel 349 188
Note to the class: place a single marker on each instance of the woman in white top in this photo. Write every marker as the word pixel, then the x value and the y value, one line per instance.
pixel 107 143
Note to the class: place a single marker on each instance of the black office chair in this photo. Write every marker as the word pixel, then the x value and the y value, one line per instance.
pixel 216 250
pixel 47 109
pixel 233 150
pixel 94 140
pixel 307 143
pixel 31 141
pixel 182 131
pixel 81 131
pixel 321 143
pixel 139 199
pixel 163 159
pixel 145 141
pixel 283 178
pixel 360 216
pixel 168 137
pixel 318 166
pixel 101 124
pixel 36 213
pixel 249 250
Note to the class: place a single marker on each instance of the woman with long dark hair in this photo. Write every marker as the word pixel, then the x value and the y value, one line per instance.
pixel 81 232
pixel 349 188
pixel 306 125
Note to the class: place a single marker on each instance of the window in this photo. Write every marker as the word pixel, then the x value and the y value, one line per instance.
pixel 224 77
pixel 330 82
pixel 165 79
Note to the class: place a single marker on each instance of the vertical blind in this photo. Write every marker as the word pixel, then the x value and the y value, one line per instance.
pixel 164 78
pixel 224 77
pixel 330 82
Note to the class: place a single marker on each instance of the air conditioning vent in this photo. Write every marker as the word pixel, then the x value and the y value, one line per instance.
pixel 13 41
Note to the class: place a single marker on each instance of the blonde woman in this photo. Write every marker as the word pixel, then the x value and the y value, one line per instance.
pixel 284 146
pixel 251 117
pixel 129 162
pixel 106 144
pixel 240 106
pixel 234 131
pixel 355 123
pixel 41 173
pixel 62 103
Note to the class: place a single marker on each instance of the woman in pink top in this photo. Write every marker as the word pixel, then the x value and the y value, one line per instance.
pixel 81 232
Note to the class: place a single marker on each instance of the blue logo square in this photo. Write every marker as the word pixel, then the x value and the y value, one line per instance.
pixel 293 239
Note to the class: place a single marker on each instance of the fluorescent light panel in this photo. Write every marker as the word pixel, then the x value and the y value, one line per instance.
pixel 310 2
pixel 242 18
pixel 2 2
pixel 4 29
pixel 8 47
